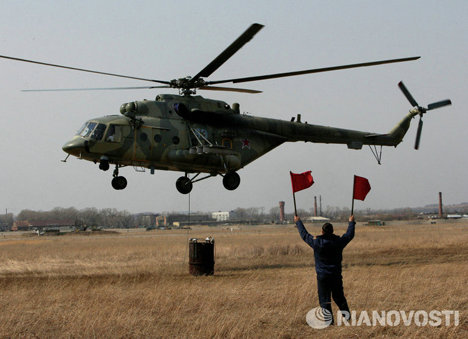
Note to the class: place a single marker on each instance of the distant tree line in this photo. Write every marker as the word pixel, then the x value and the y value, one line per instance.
pixel 107 217
pixel 111 217
pixel 6 221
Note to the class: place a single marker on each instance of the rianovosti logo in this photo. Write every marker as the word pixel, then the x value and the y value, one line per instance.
pixel 320 318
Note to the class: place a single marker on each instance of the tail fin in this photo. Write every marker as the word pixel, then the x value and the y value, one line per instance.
pixel 399 131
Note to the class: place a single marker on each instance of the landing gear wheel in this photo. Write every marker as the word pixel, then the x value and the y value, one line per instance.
pixel 231 181
pixel 119 183
pixel 104 165
pixel 184 185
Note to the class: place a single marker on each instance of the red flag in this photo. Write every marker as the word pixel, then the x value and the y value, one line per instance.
pixel 301 181
pixel 361 188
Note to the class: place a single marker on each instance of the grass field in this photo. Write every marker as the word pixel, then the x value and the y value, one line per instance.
pixel 136 283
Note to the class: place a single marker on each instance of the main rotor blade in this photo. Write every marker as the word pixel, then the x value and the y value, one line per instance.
pixel 90 89
pixel 407 94
pixel 230 89
pixel 439 104
pixel 308 71
pixel 83 70
pixel 228 52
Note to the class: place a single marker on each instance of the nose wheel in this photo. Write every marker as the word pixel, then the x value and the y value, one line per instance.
pixel 118 182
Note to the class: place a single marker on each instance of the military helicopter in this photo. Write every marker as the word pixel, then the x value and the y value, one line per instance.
pixel 195 135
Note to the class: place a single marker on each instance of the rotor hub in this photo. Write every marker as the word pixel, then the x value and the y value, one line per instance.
pixel 187 85
pixel 418 110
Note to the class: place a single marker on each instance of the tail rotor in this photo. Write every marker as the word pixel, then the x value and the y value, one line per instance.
pixel 420 110
pixel 418 134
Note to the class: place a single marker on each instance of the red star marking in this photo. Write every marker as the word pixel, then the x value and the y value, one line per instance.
pixel 245 143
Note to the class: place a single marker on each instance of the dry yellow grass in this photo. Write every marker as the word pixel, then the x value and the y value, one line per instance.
pixel 136 284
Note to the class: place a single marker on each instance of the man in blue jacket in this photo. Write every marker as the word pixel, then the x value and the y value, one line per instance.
pixel 328 253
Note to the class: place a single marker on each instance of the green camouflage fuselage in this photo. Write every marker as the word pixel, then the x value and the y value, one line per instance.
pixel 207 136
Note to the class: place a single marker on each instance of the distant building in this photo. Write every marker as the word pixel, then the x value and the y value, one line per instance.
pixel 317 219
pixel 147 219
pixel 184 219
pixel 220 216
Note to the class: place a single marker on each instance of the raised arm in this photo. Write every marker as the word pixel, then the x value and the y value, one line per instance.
pixel 349 235
pixel 306 236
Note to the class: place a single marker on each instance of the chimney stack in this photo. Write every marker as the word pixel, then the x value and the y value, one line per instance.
pixel 281 206
pixel 441 212
pixel 320 209
pixel 315 206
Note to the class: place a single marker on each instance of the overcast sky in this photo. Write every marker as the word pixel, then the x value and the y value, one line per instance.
pixel 170 39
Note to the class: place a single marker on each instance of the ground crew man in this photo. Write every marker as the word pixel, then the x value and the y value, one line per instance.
pixel 328 250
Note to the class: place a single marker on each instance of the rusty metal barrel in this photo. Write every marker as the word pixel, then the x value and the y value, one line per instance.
pixel 201 256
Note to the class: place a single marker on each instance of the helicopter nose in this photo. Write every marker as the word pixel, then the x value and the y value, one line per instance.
pixel 75 146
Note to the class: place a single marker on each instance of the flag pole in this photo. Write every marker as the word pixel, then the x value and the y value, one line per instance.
pixel 352 201
pixel 294 199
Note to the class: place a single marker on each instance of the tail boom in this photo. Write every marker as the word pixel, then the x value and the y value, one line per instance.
pixel 294 131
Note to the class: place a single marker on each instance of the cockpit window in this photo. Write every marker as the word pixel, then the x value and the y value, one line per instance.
pixel 98 132
pixel 86 131
pixel 82 128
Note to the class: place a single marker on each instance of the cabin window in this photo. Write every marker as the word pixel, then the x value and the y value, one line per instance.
pixel 114 133
pixel 98 132
pixel 175 140
pixel 157 138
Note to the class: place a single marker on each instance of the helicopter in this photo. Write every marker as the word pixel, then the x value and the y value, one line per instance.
pixel 195 135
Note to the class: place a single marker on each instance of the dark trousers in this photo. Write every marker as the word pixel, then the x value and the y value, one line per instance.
pixel 332 286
